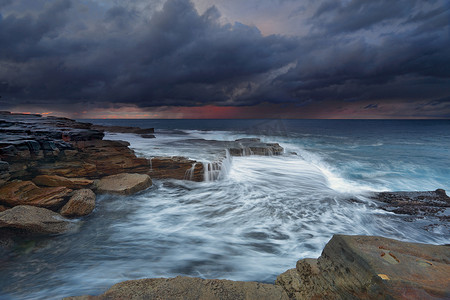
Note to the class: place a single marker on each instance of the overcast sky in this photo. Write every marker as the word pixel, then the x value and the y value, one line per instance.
pixel 226 58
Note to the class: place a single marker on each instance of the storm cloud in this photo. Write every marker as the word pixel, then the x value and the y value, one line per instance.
pixel 68 54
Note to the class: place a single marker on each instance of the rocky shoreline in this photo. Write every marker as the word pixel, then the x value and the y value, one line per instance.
pixel 350 267
pixel 51 170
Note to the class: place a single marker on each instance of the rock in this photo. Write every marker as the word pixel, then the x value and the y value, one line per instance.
pixel 33 145
pixel 4 172
pixel 248 140
pixel 4 166
pixel 3 208
pixel 82 135
pixel 417 204
pixel 81 203
pixel 111 157
pixel 253 146
pixel 54 180
pixel 50 149
pixel 27 193
pixel 367 267
pixel 176 167
pixel 34 220
pixel 148 136
pixel 123 129
pixel 123 184
pixel 189 288
pixel 72 169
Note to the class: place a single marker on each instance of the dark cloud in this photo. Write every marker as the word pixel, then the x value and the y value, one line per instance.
pixel 371 106
pixel 61 53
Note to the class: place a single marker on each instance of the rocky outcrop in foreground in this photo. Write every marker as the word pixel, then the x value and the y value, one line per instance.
pixel 350 267
pixel 189 288
pixel 365 267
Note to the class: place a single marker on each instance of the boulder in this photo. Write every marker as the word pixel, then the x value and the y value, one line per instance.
pixel 33 220
pixel 27 193
pixel 80 204
pixel 55 180
pixel 123 184
pixel 368 267
pixel 189 288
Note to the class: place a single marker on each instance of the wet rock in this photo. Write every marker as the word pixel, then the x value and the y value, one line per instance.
pixel 27 193
pixel 123 184
pixel 4 166
pixel 33 220
pixel 8 151
pixel 82 135
pixel 254 146
pixel 4 172
pixel 55 180
pixel 417 204
pixel 190 288
pixel 81 203
pixel 249 140
pixel 50 149
pixel 148 136
pixel 367 267
pixel 176 167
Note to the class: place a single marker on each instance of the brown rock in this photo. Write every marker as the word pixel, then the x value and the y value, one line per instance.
pixel 55 180
pixel 190 288
pixel 81 203
pixel 365 267
pixel 3 208
pixel 112 157
pixel 71 169
pixel 27 193
pixel 176 168
pixel 34 220
pixel 123 184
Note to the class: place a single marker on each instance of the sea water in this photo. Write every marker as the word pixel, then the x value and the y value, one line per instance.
pixel 255 220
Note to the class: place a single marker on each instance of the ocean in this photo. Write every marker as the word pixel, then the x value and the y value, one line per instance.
pixel 254 222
